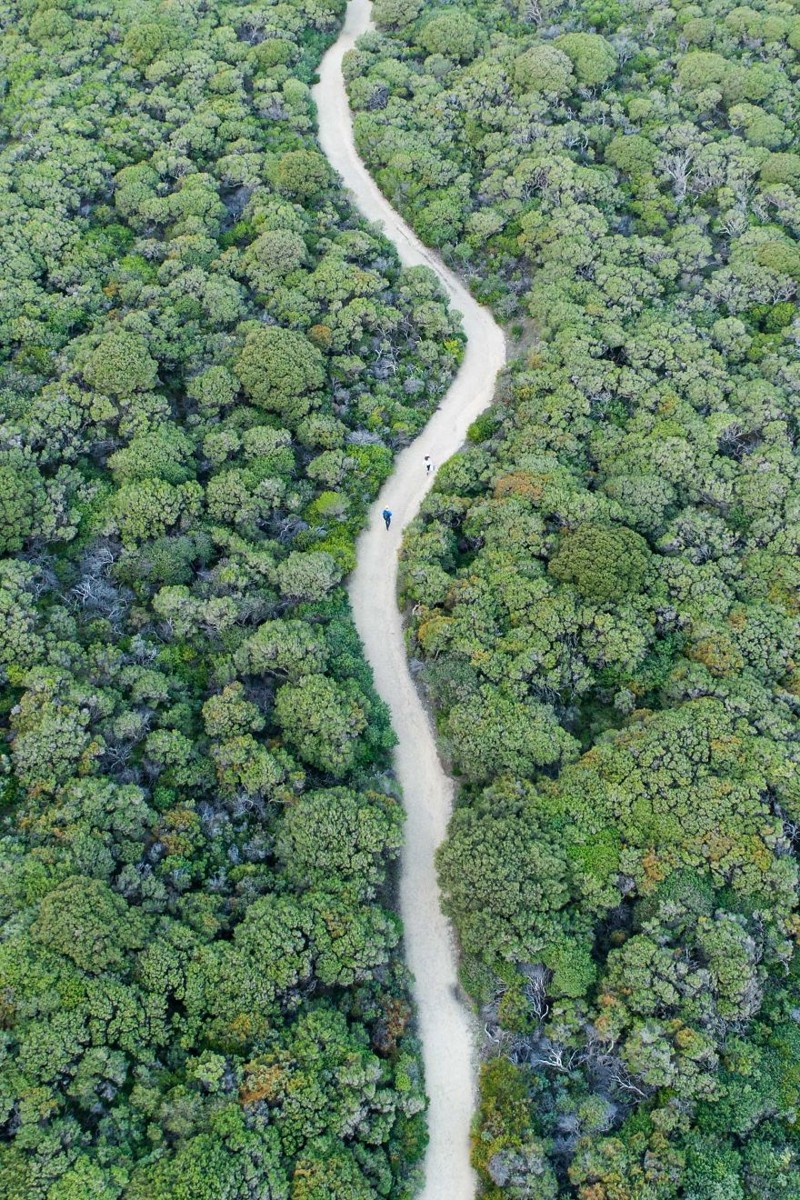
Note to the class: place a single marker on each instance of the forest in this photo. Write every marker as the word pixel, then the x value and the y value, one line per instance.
pixel 602 588
pixel 208 362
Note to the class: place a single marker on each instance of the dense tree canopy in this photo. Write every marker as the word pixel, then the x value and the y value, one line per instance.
pixel 603 587
pixel 206 363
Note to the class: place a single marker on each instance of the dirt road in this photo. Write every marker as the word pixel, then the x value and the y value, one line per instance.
pixel 446 1027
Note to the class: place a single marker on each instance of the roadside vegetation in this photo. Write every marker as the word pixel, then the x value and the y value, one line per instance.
pixel 603 587
pixel 207 363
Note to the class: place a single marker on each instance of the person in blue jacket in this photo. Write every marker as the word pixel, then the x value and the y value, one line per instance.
pixel 387 516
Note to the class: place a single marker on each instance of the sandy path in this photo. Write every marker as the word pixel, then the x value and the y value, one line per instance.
pixel 446 1026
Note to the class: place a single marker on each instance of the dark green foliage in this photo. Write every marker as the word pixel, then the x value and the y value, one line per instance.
pixel 544 69
pixel 206 364
pixel 302 174
pixel 603 588
pixel 278 369
pixel 120 365
pixel 603 561
pixel 452 33
pixel 593 58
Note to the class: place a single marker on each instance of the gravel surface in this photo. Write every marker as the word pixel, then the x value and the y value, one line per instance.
pixel 446 1025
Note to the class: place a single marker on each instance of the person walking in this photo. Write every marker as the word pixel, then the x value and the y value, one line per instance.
pixel 387 516
pixel 428 464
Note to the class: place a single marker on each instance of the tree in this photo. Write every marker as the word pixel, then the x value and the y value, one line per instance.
pixel 593 58
pixel 544 68
pixel 632 153
pixel 504 884
pixel 22 644
pixel 329 1172
pixel 121 364
pixel 322 720
pixel 495 732
pixel 273 255
pixel 147 41
pixel 286 648
pixel 509 1155
pixel 230 714
pixel 85 1177
pixel 213 389
pixel 217 1163
pixel 148 508
pixel 302 174
pixel 339 835
pixel 170 558
pixel 281 371
pixel 605 563
pixel 164 452
pixel 269 958
pixel 52 742
pixel 323 1080
pixel 23 501
pixel 82 919
pixel 308 575
pixel 453 33
pixel 243 764
pixel 395 14
pixel 609 558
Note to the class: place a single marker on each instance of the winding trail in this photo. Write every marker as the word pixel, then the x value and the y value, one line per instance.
pixel 446 1026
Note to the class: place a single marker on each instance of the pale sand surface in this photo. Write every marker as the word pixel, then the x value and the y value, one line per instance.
pixel 446 1026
